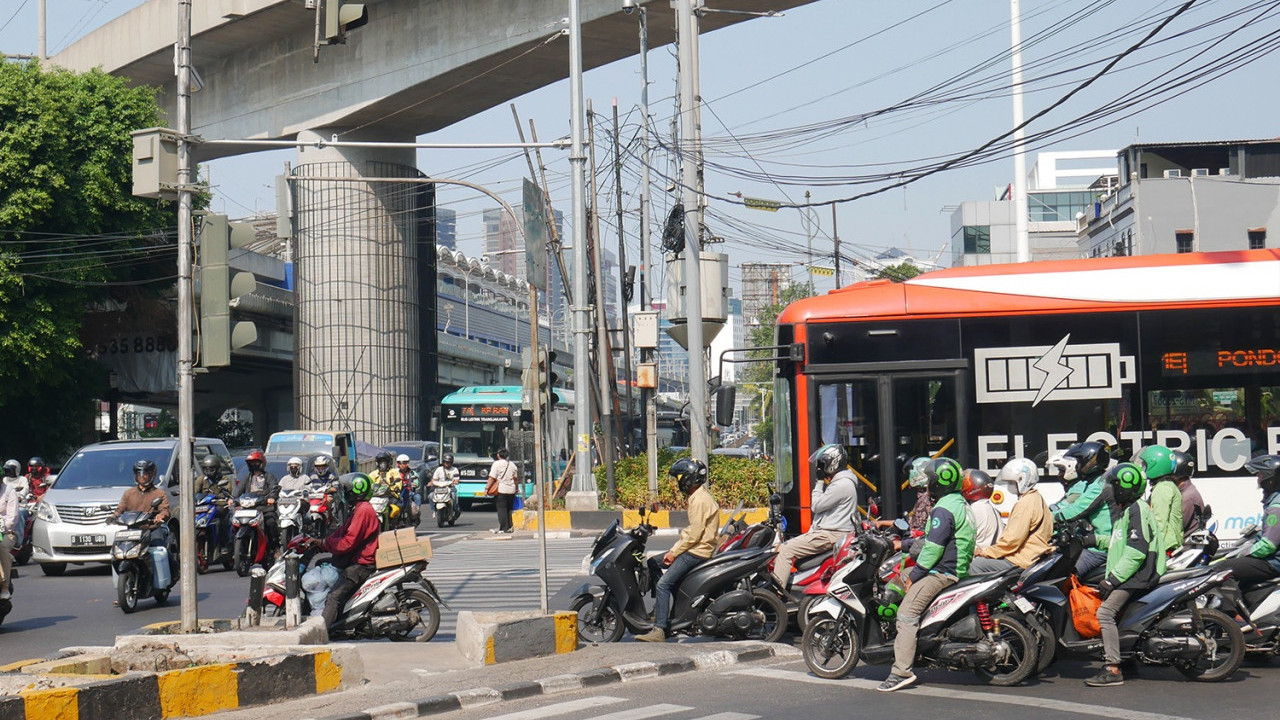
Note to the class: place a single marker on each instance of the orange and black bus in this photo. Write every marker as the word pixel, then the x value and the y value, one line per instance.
pixel 992 362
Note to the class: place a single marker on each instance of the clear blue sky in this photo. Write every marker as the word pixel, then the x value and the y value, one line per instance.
pixel 836 60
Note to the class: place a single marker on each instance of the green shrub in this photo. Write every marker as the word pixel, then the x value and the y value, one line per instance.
pixel 733 480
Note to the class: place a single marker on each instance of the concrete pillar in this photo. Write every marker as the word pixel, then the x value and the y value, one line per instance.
pixel 356 267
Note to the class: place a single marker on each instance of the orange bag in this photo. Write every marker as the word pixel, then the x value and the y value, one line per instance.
pixel 1084 608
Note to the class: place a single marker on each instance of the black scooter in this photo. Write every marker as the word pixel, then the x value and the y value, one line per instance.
pixel 727 596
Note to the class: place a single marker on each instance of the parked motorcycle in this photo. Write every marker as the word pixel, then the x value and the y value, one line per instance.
pixel 397 603
pixel 726 596
pixel 447 508
pixel 213 534
pixel 249 528
pixel 963 628
pixel 289 513
pixel 139 568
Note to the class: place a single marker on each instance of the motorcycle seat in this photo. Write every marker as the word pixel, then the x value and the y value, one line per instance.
pixel 811 562
pixel 1255 592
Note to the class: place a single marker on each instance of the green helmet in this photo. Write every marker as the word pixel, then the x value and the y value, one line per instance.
pixel 1156 461
pixel 361 486
pixel 1127 482
pixel 944 477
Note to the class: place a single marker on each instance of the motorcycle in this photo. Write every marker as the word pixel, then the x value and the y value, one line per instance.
pixel 728 595
pixel 319 516
pixel 213 536
pixel 248 525
pixel 139 568
pixel 289 514
pixel 387 511
pixel 446 505
pixel 23 548
pixel 1173 624
pixel 962 629
pixel 392 603
pixel 1199 547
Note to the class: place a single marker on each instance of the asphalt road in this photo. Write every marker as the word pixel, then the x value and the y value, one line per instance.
pixel 787 690
pixel 50 613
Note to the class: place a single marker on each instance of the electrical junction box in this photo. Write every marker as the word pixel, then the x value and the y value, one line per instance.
pixel 645 327
pixel 155 163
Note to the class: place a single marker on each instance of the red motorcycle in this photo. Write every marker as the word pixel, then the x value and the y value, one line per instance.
pixel 894 566
pixel 248 527
pixel 319 517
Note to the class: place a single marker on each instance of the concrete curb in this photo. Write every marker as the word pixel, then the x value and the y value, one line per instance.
pixel 487 638
pixel 193 691
pixel 596 520
pixel 627 672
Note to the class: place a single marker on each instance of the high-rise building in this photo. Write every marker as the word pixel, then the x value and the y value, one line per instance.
pixel 762 286
pixel 504 250
pixel 447 227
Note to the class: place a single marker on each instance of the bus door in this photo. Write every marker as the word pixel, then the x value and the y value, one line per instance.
pixel 884 421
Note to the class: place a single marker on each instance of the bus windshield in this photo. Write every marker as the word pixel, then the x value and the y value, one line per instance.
pixel 472 440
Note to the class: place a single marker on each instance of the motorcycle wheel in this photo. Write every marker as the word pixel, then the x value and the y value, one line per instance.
pixel 53 569
pixel 1048 642
pixel 802 612
pixel 1024 650
pixel 1220 665
pixel 608 628
pixel 24 554
pixel 203 550
pixel 440 519
pixel 161 596
pixel 775 616
pixel 830 647
pixel 241 556
pixel 424 606
pixel 127 591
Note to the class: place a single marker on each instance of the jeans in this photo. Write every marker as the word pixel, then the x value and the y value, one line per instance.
pixel 1108 611
pixel 680 567
pixel 353 576
pixel 919 595
pixel 1090 559
pixel 985 565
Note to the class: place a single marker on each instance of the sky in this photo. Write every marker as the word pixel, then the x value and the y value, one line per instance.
pixel 842 98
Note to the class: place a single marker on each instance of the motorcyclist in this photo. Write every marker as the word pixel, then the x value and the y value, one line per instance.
pixel 410 497
pixel 1263 561
pixel 943 561
pixel 212 481
pixel 1195 514
pixel 139 499
pixel 1157 464
pixel 381 474
pixel 16 481
pixel 833 502
pixel 258 481
pixel 1134 563
pixel 697 541
pixel 447 472
pixel 37 477
pixel 9 519
pixel 324 474
pixel 354 545
pixel 294 479
pixel 976 489
pixel 1029 529
pixel 918 517
pixel 1083 464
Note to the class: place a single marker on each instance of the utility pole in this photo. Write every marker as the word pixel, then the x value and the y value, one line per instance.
pixel 584 495
pixel 1019 150
pixel 186 483
pixel 835 238
pixel 648 398
pixel 42 32
pixel 690 152
pixel 623 293
pixel 604 355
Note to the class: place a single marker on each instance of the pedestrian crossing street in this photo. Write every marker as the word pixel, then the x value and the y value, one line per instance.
pixel 612 708
pixel 485 575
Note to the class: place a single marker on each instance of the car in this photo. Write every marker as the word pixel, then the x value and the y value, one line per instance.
pixel 71 519
pixel 738 452
pixel 424 455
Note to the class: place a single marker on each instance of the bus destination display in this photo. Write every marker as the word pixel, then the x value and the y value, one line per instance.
pixel 1218 362
pixel 478 413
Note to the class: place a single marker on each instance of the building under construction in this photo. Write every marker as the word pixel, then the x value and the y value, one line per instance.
pixel 762 286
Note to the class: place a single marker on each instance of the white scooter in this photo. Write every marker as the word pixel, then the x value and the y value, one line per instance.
pixel 445 501
pixel 289 513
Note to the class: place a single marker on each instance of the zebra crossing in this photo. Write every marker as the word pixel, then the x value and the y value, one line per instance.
pixel 500 574
pixel 576 708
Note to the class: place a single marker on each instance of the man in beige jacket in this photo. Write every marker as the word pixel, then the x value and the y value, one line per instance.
pixel 697 542
pixel 1029 529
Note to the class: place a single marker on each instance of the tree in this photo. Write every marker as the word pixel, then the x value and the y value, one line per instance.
pixel 898 273
pixel 72 237
pixel 757 374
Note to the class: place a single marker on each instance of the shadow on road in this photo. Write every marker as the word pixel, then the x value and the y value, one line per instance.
pixel 34 623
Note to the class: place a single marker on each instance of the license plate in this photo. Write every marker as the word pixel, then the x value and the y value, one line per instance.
pixel 481 494
pixel 1024 604
pixel 129 535
pixel 88 539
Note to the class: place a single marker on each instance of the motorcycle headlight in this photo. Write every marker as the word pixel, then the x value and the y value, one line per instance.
pixel 591 569
pixel 45 512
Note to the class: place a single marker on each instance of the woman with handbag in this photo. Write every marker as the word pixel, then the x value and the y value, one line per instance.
pixel 503 476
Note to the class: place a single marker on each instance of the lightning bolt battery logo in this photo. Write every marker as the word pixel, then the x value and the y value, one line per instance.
pixel 1062 371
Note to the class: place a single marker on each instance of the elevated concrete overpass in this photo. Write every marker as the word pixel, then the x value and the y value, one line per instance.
pixel 418 66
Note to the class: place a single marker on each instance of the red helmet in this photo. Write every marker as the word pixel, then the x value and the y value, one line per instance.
pixel 977 486
pixel 256 456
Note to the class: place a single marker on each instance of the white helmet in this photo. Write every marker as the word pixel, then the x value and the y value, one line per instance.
pixel 915 473
pixel 1066 466
pixel 294 462
pixel 402 458
pixel 1019 473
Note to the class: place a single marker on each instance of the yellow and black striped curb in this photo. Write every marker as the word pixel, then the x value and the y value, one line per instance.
pixel 185 693
pixel 600 519
pixel 497 637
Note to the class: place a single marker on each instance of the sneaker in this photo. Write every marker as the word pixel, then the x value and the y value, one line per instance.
pixel 656 635
pixel 1109 676
pixel 896 682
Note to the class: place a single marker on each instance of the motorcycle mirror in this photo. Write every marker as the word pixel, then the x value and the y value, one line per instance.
pixel 156 503
pixel 901 524
pixel 643 512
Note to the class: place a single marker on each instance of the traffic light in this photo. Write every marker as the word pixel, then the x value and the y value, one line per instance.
pixel 220 291
pixel 340 16
pixel 547 377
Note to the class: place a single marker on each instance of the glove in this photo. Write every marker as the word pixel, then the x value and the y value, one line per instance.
pixel 1104 589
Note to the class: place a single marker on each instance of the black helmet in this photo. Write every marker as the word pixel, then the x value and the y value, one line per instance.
pixel 1267 469
pixel 828 460
pixel 1127 482
pixel 36 466
pixel 977 485
pixel 1184 466
pixel 689 474
pixel 358 485
pixel 146 469
pixel 211 465
pixel 1092 459
pixel 944 476
pixel 383 460
pixel 447 458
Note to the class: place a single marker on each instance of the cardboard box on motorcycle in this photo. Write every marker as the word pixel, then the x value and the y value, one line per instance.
pixel 401 547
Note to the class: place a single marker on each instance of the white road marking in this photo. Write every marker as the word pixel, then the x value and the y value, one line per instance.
pixel 1039 703
pixel 643 712
pixel 729 716
pixel 559 709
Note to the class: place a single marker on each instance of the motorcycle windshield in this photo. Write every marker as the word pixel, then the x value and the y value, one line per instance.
pixel 605 539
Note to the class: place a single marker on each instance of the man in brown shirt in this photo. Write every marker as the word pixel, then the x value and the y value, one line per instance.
pixel 697 542
pixel 139 498
pixel 1029 529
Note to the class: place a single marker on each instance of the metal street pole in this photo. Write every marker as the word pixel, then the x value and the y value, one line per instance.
pixel 648 398
pixel 42 31
pixel 186 486
pixel 690 153
pixel 1019 150
pixel 835 238
pixel 583 482
pixel 604 355
pixel 627 374
pixel 539 451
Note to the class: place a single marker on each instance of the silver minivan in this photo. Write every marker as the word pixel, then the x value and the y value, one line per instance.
pixel 71 520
